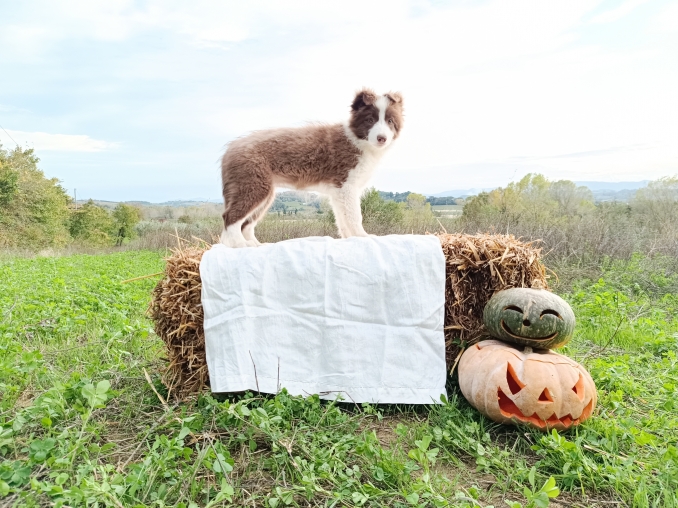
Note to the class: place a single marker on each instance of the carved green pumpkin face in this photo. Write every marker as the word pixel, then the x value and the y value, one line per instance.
pixel 530 317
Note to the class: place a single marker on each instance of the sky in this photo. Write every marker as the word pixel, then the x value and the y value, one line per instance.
pixel 128 100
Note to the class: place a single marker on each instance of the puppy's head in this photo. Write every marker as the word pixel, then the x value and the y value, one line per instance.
pixel 376 119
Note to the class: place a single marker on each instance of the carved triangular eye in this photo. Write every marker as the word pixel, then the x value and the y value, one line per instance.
pixel 515 384
pixel 579 387
pixel 545 396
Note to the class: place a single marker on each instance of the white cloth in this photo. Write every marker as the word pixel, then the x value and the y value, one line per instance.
pixel 359 318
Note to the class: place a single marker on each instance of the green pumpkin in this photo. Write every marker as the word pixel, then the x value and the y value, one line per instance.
pixel 530 317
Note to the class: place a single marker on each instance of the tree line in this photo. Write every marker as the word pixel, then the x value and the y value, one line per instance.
pixel 37 212
pixel 536 199
pixel 401 197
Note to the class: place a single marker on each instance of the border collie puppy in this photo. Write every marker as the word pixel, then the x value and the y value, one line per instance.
pixel 335 160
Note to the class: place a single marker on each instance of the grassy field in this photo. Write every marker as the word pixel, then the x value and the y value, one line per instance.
pixel 80 425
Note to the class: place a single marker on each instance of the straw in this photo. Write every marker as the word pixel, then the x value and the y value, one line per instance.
pixel 477 267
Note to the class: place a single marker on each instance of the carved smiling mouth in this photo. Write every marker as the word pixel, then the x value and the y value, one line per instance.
pixel 508 330
pixel 509 409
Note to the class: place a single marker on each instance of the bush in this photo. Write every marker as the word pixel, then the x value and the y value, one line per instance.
pixel 574 229
pixel 92 224
pixel 33 208
pixel 380 214
pixel 126 218
pixel 657 204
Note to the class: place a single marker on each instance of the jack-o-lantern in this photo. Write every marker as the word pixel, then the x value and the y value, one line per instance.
pixel 531 317
pixel 542 389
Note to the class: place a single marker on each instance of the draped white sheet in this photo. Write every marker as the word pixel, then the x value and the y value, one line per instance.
pixel 357 318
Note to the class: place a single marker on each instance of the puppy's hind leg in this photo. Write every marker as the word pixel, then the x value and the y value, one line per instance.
pixel 244 195
pixel 251 221
pixel 232 236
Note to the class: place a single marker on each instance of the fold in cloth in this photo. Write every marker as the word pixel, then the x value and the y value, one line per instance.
pixel 360 319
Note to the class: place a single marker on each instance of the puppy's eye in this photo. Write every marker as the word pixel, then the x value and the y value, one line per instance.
pixel 390 121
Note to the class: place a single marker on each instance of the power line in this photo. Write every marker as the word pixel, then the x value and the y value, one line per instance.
pixel 10 137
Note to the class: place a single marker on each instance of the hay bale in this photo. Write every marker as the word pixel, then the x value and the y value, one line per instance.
pixel 477 267
pixel 176 309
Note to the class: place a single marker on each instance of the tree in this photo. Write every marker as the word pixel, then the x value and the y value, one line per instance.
pixel 126 218
pixel 377 211
pixel 92 224
pixel 418 212
pixel 571 199
pixel 530 198
pixel 9 184
pixel 33 209
pixel 658 203
pixel 534 199
pixel 416 201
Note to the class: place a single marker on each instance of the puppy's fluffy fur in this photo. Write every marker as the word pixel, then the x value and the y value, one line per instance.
pixel 336 160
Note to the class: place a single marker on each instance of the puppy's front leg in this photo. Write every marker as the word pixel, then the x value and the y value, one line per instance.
pixel 346 207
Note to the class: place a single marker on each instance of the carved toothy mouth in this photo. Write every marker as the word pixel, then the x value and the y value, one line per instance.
pixel 509 409
pixel 508 331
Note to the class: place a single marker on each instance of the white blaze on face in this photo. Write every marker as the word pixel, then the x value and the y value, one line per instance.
pixel 381 134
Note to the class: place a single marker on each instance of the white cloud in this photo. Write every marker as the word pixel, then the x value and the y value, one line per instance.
pixel 667 19
pixel 492 89
pixel 617 13
pixel 44 141
pixel 206 23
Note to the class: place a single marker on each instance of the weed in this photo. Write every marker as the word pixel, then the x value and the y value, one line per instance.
pixel 81 426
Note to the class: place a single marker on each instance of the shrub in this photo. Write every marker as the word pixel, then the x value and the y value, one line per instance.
pixel 573 228
pixel 92 224
pixel 33 208
pixel 126 218
pixel 378 213
pixel 657 204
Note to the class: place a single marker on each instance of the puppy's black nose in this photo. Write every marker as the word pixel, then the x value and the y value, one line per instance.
pixel 381 139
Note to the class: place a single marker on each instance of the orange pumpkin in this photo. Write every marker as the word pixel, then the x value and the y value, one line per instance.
pixel 542 389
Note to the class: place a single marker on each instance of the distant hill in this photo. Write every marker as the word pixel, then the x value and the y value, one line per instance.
pixel 614 186
pixel 602 191
pixel 187 202
pixel 179 203
pixel 614 191
pixel 458 193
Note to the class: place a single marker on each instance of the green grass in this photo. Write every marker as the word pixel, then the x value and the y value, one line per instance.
pixel 81 426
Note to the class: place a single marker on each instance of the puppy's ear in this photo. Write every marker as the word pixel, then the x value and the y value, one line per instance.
pixel 364 97
pixel 395 97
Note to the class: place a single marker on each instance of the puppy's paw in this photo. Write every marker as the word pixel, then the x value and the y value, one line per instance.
pixel 233 241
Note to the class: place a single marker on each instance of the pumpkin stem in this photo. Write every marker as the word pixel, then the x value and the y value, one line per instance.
pixel 527 350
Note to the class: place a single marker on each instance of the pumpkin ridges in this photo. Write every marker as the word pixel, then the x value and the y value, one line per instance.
pixel 578 388
pixel 470 383
pixel 588 410
pixel 483 371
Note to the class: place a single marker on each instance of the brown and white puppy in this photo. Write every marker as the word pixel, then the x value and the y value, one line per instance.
pixel 335 160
